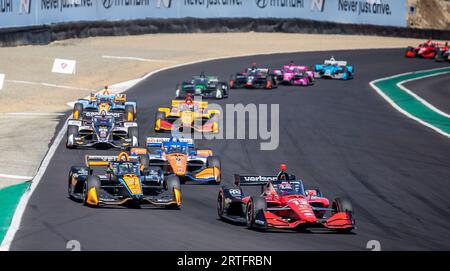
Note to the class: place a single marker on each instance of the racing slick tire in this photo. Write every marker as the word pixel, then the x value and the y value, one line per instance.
pixel 343 205
pixel 178 92
pixel 221 91
pixel 274 82
pixel 438 57
pixel 255 206
pixel 92 181
pixel 133 133
pixel 221 203
pixel 172 182
pixel 218 94
pixel 215 121
pixel 159 116
pixel 214 162
pixel 345 74
pixel 232 82
pixel 317 73
pixel 129 113
pixel 410 52
pixel 72 132
pixel 144 160
pixel 271 83
pixel 226 194
pixel 77 111
pixel 70 187
pixel 225 88
pixel 310 80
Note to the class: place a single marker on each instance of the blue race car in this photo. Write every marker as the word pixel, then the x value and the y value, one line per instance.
pixel 113 104
pixel 103 131
pixel 334 70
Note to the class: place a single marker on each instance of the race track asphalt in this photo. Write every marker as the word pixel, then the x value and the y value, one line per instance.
pixel 341 136
pixel 436 91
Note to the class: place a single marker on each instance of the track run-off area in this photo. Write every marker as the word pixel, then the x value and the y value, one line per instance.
pixel 339 135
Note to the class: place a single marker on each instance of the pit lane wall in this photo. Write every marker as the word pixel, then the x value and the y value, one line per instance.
pixel 42 21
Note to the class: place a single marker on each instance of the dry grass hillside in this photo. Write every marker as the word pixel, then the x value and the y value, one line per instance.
pixel 434 14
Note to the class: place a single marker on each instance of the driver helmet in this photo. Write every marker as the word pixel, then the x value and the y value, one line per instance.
pixel 282 174
pixel 189 100
pixel 105 91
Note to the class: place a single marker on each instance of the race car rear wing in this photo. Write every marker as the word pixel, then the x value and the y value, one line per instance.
pixel 335 62
pixel 202 105
pixel 105 160
pixel 209 78
pixel 249 180
pixel 263 70
pixel 158 141
pixel 120 98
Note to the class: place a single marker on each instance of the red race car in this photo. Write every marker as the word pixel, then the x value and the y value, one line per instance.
pixel 283 204
pixel 428 49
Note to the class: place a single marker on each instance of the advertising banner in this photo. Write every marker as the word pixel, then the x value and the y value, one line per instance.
pixel 38 12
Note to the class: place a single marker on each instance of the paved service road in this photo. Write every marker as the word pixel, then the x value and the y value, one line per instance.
pixel 341 136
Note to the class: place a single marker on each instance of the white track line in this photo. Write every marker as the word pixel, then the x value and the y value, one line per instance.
pixel 420 99
pixel 393 104
pixel 17 219
pixel 138 59
pixel 18 214
pixel 15 177
pixel 46 85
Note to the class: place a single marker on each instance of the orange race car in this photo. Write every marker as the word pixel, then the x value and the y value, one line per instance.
pixel 187 114
pixel 177 156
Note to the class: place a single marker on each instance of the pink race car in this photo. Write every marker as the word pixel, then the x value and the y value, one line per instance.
pixel 294 75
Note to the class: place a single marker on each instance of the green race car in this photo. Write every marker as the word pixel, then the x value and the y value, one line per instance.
pixel 204 86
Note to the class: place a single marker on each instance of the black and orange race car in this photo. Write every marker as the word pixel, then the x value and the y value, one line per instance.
pixel 443 54
pixel 179 157
pixel 283 204
pixel 428 49
pixel 113 104
pixel 254 77
pixel 124 181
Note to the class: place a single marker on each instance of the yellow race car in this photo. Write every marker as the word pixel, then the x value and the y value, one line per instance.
pixel 187 114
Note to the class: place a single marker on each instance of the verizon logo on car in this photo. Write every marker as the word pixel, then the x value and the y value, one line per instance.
pixel 259 178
